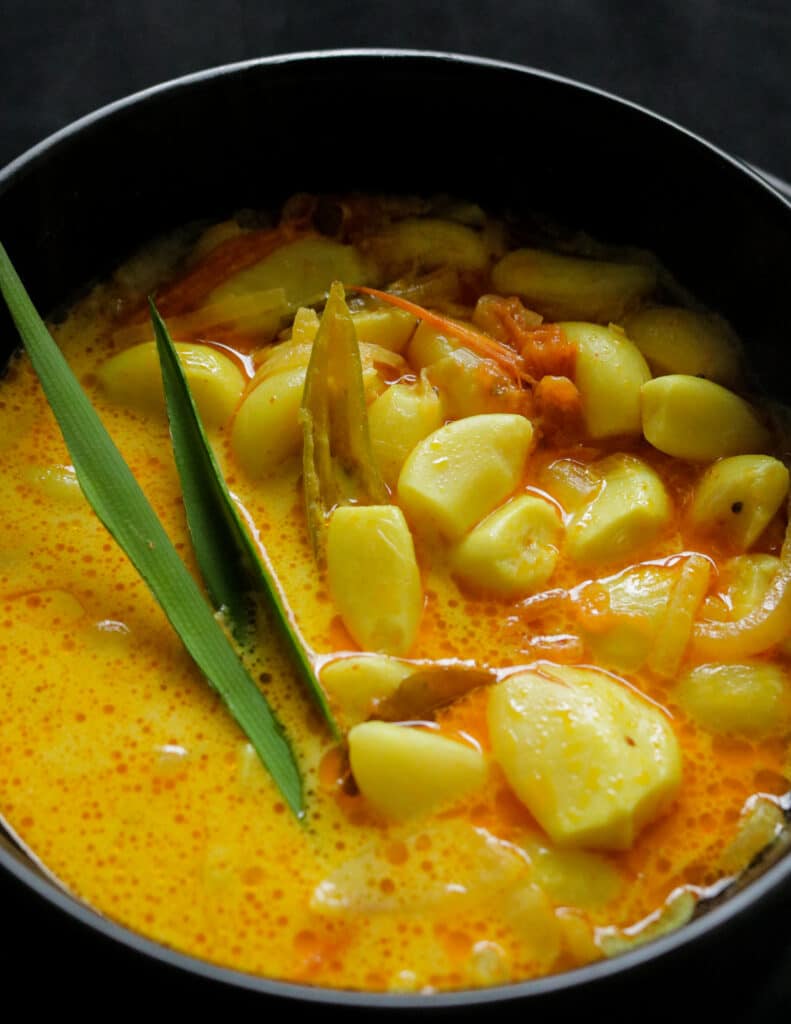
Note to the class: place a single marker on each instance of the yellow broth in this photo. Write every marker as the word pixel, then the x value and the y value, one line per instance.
pixel 127 779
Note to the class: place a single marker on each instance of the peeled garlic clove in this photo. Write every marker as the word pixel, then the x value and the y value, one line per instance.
pixel 571 288
pixel 304 269
pixel 397 420
pixel 385 326
pixel 374 577
pixel 425 243
pixel 461 472
pixel 737 497
pixel 133 378
pixel 513 551
pixel 356 683
pixel 609 374
pixel 591 760
pixel 696 419
pixel 677 340
pixel 751 699
pixel 266 430
pixel 405 772
pixel 629 510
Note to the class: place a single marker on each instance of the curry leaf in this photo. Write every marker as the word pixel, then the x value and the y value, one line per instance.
pixel 231 565
pixel 338 463
pixel 115 496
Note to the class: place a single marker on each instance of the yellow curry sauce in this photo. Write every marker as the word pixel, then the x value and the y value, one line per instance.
pixel 125 776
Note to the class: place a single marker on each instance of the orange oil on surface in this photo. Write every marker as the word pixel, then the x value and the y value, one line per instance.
pixel 123 773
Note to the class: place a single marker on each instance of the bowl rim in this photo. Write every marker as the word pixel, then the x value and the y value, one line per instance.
pixel 25 867
pixel 30 155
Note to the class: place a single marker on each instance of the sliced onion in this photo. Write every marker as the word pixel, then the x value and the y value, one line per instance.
pixel 676 627
pixel 763 627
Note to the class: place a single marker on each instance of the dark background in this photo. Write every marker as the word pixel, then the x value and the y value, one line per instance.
pixel 722 70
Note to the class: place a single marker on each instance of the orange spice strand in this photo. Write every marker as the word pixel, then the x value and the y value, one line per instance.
pixel 473 339
pixel 228 258
pixel 544 347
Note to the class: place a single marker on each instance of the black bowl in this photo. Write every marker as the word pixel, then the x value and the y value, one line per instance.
pixel 508 137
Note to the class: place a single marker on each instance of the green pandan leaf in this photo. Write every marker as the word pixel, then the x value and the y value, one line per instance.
pixel 231 565
pixel 115 496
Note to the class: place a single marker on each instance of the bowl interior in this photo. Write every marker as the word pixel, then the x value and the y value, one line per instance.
pixel 510 139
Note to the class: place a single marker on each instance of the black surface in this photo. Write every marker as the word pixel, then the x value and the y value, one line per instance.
pixel 719 69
